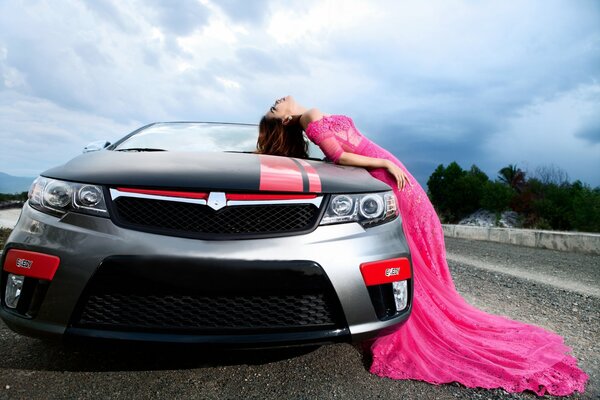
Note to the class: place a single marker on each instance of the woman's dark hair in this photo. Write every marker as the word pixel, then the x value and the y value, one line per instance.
pixel 277 139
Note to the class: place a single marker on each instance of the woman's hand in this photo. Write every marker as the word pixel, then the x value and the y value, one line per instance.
pixel 398 174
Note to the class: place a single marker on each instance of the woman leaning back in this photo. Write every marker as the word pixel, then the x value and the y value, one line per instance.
pixel 445 339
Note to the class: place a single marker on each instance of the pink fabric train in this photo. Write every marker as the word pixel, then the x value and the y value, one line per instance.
pixel 446 339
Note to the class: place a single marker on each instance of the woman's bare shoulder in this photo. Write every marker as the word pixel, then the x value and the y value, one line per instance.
pixel 311 115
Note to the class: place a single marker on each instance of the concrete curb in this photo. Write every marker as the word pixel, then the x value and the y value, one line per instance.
pixel 564 241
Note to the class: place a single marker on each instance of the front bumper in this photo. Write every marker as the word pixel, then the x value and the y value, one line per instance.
pixel 85 243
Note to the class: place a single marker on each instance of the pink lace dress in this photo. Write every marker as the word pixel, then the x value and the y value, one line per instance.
pixel 446 339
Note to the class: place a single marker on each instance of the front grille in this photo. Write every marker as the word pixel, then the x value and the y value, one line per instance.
pixel 207 312
pixel 188 219
pixel 208 296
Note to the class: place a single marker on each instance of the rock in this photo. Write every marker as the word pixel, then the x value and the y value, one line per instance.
pixel 480 218
pixel 507 219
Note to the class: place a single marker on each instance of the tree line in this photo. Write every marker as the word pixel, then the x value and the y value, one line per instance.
pixel 544 200
pixel 16 196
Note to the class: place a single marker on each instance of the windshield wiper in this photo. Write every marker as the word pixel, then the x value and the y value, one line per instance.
pixel 140 149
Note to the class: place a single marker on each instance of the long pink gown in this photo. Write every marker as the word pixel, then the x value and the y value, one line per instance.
pixel 446 339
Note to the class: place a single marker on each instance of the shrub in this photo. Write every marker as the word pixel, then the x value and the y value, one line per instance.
pixel 497 196
pixel 585 208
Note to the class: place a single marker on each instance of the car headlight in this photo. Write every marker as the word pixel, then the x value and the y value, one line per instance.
pixel 367 209
pixel 58 197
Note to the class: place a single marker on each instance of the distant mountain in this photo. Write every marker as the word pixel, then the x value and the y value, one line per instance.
pixel 14 184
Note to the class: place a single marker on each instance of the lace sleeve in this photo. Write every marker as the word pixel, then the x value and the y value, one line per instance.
pixel 326 140
pixel 331 148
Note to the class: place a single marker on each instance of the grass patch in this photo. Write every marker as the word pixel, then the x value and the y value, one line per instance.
pixel 4 232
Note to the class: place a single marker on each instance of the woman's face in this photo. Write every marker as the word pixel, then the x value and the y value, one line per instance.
pixel 282 108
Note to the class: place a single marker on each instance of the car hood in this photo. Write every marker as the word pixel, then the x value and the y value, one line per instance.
pixel 215 171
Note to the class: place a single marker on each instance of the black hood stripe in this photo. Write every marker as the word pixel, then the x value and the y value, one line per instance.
pixel 305 184
pixel 314 179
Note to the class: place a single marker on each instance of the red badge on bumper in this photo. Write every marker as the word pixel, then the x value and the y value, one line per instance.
pixel 386 271
pixel 31 264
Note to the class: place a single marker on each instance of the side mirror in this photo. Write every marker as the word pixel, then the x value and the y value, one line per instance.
pixel 96 145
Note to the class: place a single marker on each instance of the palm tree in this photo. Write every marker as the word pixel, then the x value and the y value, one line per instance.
pixel 513 177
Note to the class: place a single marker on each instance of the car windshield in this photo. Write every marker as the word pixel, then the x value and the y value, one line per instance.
pixel 196 136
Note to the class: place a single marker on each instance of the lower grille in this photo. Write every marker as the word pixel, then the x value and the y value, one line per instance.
pixel 207 313
pixel 208 296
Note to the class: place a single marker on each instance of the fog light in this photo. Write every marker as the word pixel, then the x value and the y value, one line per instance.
pixel 400 294
pixel 13 290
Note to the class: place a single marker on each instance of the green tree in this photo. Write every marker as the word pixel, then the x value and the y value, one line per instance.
pixel 469 190
pixel 564 206
pixel 455 192
pixel 585 212
pixel 436 187
pixel 513 177
pixel 553 207
pixel 497 197
pixel 442 190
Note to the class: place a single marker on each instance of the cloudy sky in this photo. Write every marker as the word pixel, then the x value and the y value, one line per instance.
pixel 490 83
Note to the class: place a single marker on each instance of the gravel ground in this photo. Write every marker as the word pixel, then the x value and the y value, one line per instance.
pixel 574 314
pixel 31 368
pixel 578 272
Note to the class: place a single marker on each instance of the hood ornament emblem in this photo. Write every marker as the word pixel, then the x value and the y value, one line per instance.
pixel 216 200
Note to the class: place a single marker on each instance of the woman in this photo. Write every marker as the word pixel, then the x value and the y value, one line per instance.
pixel 445 339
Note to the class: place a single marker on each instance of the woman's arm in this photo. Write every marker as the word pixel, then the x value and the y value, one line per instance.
pixel 356 160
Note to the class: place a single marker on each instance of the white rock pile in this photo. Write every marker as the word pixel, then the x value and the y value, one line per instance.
pixel 507 219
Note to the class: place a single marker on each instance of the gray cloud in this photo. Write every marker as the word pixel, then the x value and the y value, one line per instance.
pixel 259 61
pixel 107 11
pixel 414 145
pixel 250 12
pixel 590 132
pixel 180 17
pixel 249 63
pixel 89 53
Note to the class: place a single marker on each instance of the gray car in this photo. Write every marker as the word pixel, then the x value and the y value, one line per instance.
pixel 180 233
